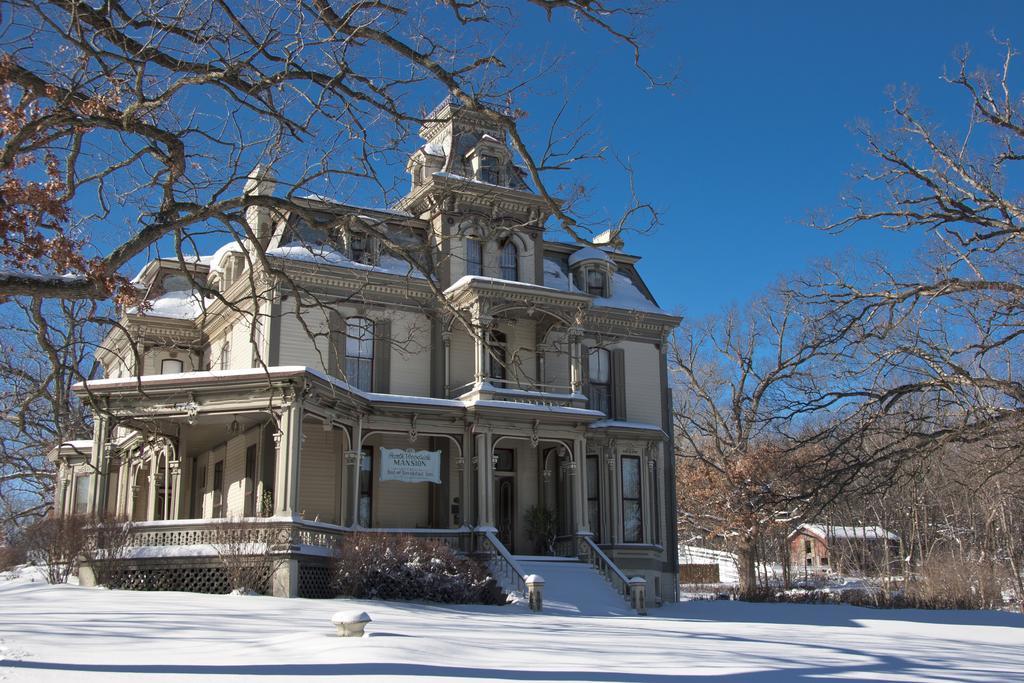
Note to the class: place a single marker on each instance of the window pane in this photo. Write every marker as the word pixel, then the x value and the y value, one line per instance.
pixel 599 363
pixel 474 257
pixel 595 282
pixel 631 522
pixel 360 338
pixel 171 366
pixel 81 494
pixel 632 519
pixel 509 262
pixel 359 373
pixel 630 477
pixel 489 169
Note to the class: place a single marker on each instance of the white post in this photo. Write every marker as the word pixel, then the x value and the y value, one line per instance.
pixel 354 460
pixel 100 434
pixel 535 592
pixel 638 594
pixel 575 360
pixel 582 519
pixel 286 485
pixel 485 481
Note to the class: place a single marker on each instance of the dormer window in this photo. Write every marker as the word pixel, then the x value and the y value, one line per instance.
pixel 357 247
pixel 488 169
pixel 597 282
pixel 474 257
pixel 509 261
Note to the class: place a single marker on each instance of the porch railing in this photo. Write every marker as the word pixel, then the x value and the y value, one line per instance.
pixel 590 552
pixel 506 570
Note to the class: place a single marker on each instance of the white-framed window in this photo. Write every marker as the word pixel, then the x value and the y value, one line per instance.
pixel 632 510
pixel 596 282
pixel 358 247
pixel 359 353
pixel 474 256
pixel 599 369
pixel 171 366
pixel 498 348
pixel 224 358
pixel 509 261
pixel 488 171
pixel 81 502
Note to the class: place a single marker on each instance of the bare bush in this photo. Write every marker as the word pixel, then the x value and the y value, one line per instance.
pixel 57 543
pixel 11 556
pixel 399 567
pixel 251 552
pixel 108 544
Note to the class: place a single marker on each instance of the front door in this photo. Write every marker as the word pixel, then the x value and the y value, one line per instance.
pixel 506 501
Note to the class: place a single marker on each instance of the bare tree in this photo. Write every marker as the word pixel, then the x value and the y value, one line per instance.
pixel 947 329
pixel 45 347
pixel 153 114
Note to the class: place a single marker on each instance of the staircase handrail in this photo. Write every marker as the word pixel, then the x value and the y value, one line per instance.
pixel 591 552
pixel 501 562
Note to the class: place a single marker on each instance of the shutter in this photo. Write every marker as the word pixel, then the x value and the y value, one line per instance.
pixel 337 340
pixel 618 377
pixel 585 370
pixel 382 356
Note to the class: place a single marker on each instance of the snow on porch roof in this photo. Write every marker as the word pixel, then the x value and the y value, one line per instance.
pixel 185 378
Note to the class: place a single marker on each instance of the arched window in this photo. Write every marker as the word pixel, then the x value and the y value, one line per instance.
pixel 474 256
pixel 359 353
pixel 224 358
pixel 171 366
pixel 498 357
pixel 599 370
pixel 509 261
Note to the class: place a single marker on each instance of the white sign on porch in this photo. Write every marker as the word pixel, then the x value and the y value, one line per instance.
pixel 408 465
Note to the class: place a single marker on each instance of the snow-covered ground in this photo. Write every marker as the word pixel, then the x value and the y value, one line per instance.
pixel 68 633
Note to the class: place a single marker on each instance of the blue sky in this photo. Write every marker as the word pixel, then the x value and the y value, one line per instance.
pixel 756 132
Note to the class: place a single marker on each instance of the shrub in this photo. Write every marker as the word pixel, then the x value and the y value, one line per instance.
pixel 542 528
pixel 400 567
pixel 56 543
pixel 107 544
pixel 250 553
pixel 11 556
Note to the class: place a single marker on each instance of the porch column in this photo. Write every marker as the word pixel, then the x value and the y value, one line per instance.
pixel 289 444
pixel 580 459
pixel 614 500
pixel 647 521
pixel 485 481
pixel 186 465
pixel 482 323
pixel 154 463
pixel 123 486
pixel 353 460
pixel 466 512
pixel 97 482
pixel 446 339
pixel 574 335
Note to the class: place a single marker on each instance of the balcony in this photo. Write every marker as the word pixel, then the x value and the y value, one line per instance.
pixel 518 391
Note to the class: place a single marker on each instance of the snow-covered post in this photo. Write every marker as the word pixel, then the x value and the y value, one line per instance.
pixel 638 594
pixel 535 592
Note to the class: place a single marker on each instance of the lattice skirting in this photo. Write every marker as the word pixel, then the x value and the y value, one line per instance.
pixel 315 581
pixel 190 576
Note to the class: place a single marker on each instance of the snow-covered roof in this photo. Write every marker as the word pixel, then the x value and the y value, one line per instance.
pixel 388 264
pixel 183 305
pixel 467 279
pixel 288 370
pixel 625 294
pixel 853 533
pixel 589 254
